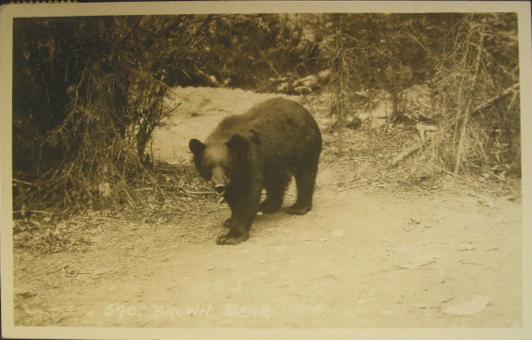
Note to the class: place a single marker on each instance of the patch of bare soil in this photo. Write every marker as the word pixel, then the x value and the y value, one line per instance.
pixel 369 254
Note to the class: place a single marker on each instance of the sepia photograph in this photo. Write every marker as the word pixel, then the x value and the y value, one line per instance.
pixel 269 166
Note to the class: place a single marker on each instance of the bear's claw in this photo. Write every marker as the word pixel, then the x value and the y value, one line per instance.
pixel 298 210
pixel 231 238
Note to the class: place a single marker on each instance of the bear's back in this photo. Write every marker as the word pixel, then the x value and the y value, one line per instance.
pixel 276 118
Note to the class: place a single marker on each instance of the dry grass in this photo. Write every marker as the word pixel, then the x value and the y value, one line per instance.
pixel 478 115
pixel 176 194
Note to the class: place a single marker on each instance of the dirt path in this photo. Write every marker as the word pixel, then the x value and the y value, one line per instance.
pixel 393 261
pixel 360 258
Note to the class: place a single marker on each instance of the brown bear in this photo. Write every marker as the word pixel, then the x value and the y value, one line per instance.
pixel 261 148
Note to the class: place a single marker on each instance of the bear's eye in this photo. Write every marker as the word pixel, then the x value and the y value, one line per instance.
pixel 207 173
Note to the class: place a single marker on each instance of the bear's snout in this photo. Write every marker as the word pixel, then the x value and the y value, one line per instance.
pixel 219 188
pixel 219 180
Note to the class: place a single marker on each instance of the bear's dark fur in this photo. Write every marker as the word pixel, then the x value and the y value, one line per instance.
pixel 260 149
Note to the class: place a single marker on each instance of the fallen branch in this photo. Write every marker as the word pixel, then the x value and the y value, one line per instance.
pixel 19 181
pixel 408 152
pixel 26 212
pixel 494 99
pixel 143 189
pixel 268 61
pixel 199 192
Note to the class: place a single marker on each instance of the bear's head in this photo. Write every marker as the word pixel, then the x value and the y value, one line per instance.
pixel 222 163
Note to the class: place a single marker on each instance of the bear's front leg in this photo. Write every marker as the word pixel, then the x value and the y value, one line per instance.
pixel 228 223
pixel 244 208
pixel 229 198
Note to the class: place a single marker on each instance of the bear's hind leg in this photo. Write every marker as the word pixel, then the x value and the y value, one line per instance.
pixel 275 189
pixel 305 179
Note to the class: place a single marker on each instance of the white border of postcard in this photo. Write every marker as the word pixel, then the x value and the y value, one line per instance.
pixel 8 12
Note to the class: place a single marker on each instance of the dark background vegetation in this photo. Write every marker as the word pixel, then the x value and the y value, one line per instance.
pixel 88 91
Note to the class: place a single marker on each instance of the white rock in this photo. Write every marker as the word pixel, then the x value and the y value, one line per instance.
pixel 470 307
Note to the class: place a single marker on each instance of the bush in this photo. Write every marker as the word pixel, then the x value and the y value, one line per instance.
pixel 86 100
pixel 475 93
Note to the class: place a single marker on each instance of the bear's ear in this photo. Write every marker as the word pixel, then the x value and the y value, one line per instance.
pixel 238 143
pixel 196 146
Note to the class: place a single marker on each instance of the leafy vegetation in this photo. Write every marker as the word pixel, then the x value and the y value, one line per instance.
pixel 89 91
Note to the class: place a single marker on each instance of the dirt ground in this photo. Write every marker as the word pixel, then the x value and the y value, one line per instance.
pixel 363 257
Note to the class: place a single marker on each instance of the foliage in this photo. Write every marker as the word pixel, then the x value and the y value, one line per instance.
pixel 89 90
pixel 247 50
pixel 480 64
pixel 86 102
pixel 464 59
pixel 389 52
